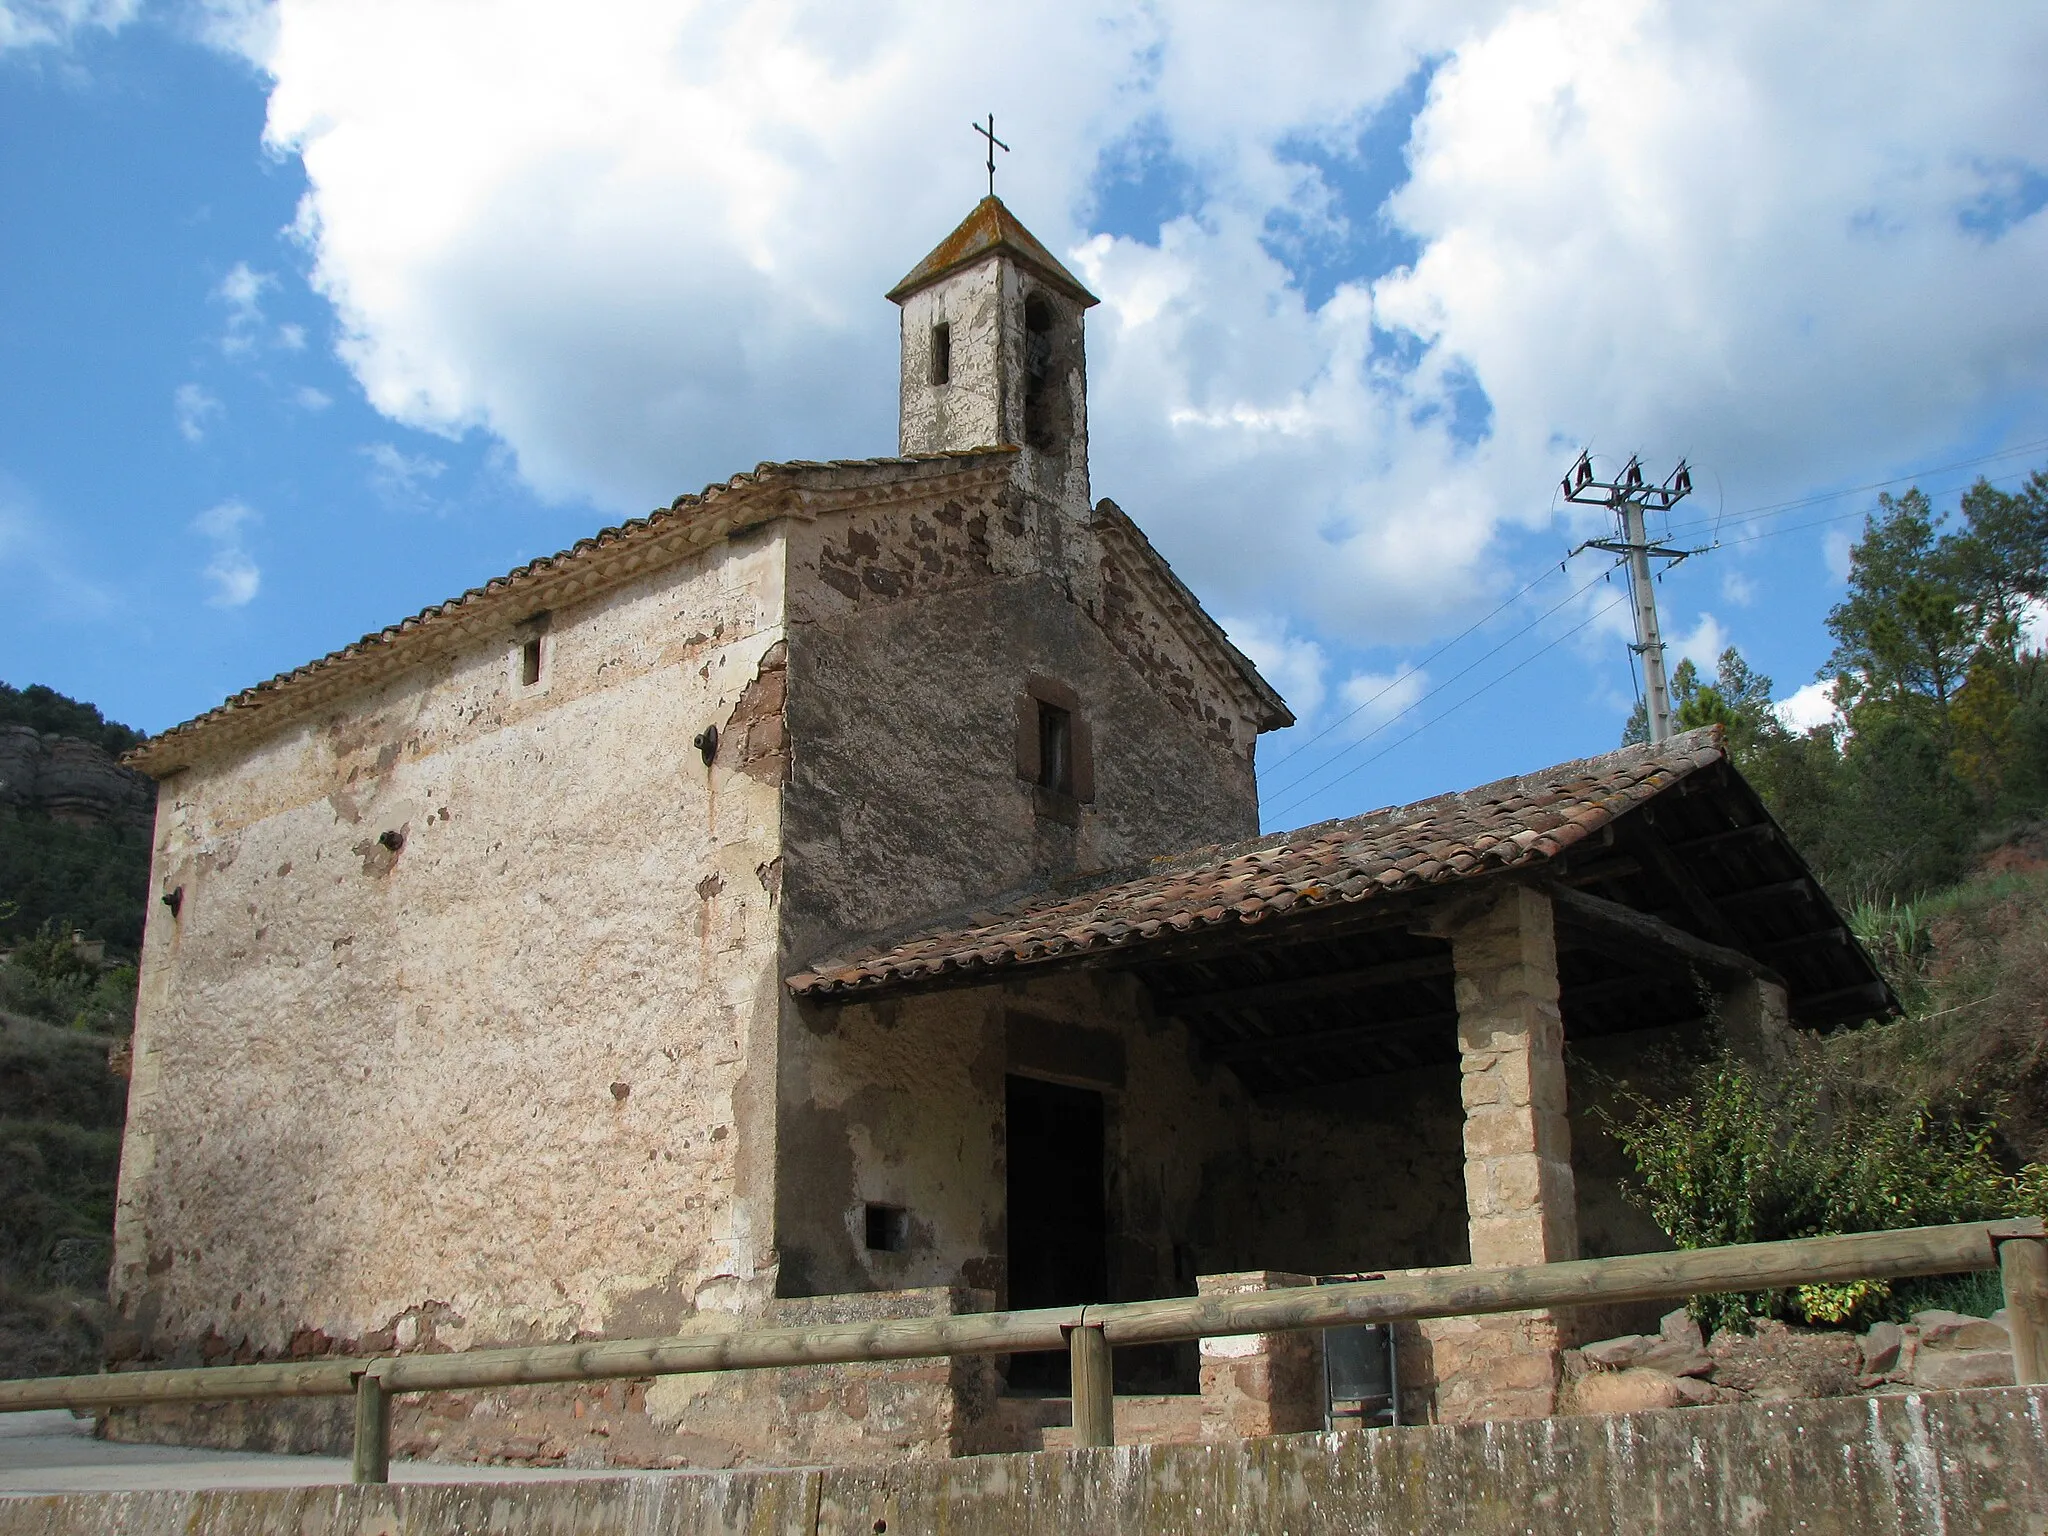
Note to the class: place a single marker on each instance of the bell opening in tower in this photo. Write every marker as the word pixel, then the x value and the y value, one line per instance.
pixel 1041 418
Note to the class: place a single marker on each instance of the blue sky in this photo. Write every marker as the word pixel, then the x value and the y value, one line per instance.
pixel 1371 276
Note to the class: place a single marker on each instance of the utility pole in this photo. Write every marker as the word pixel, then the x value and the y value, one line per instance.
pixel 1628 497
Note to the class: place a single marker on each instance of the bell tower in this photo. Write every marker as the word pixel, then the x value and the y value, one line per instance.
pixel 992 353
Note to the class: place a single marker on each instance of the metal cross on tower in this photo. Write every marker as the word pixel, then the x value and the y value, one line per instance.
pixel 1627 496
pixel 994 144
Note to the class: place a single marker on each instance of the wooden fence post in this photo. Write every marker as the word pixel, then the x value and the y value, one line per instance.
pixel 1094 1385
pixel 372 1459
pixel 2023 1266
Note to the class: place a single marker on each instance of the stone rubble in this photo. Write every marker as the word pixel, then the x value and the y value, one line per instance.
pixel 1677 1368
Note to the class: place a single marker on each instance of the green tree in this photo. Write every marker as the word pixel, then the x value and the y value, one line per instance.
pixel 1903 634
pixel 2000 561
pixel 1738 700
pixel 47 710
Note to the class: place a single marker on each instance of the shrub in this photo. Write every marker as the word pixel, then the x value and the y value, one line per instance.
pixel 1744 1155
pixel 48 978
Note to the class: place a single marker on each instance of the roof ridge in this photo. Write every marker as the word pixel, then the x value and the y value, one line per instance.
pixel 160 754
pixel 1114 520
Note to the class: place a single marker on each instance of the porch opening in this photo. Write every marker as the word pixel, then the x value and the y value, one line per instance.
pixel 1058 1212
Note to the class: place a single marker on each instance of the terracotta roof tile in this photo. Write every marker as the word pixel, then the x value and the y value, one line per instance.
pixel 1513 824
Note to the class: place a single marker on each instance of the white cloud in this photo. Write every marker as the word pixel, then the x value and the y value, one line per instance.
pixel 56 23
pixel 1835 551
pixel 1738 588
pixel 241 291
pixel 1702 645
pixel 1374 698
pixel 1811 706
pixel 232 573
pixel 1292 663
pixel 647 249
pixel 196 406
pixel 307 398
pixel 401 476
pixel 245 27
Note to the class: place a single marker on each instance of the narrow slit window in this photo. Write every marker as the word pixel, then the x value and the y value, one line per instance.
pixel 1055 748
pixel 529 663
pixel 888 1228
pixel 942 353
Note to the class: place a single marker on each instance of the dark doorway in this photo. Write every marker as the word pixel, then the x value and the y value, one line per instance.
pixel 1058 1219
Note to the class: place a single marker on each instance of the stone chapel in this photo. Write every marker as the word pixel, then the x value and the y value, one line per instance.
pixel 839 894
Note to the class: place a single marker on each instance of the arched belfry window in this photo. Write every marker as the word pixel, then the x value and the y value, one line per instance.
pixel 1041 416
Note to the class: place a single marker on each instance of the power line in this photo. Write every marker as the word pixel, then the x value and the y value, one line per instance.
pixel 1356 768
pixel 1843 517
pixel 1303 746
pixel 1302 779
pixel 1776 508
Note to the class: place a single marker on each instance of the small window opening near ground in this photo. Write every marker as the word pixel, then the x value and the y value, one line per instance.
pixel 942 353
pixel 529 663
pixel 1055 748
pixel 888 1228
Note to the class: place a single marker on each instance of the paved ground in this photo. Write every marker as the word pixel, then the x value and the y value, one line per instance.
pixel 55 1453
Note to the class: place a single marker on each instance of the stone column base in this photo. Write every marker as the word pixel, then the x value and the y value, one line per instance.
pixel 1508 1366
pixel 1259 1383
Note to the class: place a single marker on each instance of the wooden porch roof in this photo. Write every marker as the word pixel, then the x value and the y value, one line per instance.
pixel 1306 958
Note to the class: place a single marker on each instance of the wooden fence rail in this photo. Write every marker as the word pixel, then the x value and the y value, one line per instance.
pixel 2019 1249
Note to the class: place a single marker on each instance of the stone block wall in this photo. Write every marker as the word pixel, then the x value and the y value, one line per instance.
pixel 1900 1466
pixel 464 1004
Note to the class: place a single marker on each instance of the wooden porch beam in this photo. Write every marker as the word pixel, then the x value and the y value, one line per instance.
pixel 1755 831
pixel 1635 984
pixel 1684 884
pixel 1612 919
pixel 1298 989
pixel 1799 890
pixel 1259 1047
pixel 1596 874
pixel 1835 936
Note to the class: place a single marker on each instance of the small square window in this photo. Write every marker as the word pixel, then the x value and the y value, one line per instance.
pixel 529 662
pixel 1055 748
pixel 888 1228
pixel 942 353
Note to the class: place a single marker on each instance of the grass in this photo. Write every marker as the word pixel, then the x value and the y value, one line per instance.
pixel 1970 966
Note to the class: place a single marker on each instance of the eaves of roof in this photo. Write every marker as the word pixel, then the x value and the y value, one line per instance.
pixel 691 523
pixel 1268 711
pixel 1514 824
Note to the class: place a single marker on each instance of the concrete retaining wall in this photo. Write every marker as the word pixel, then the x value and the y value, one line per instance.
pixel 1949 1462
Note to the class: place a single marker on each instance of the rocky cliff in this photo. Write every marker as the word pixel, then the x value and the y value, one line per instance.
pixel 71 781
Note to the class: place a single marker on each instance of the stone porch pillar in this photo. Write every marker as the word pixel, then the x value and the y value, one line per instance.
pixel 1521 1204
pixel 1756 1021
pixel 1259 1383
pixel 1519 1197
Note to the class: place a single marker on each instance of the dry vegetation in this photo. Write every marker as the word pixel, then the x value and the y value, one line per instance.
pixel 1970 965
